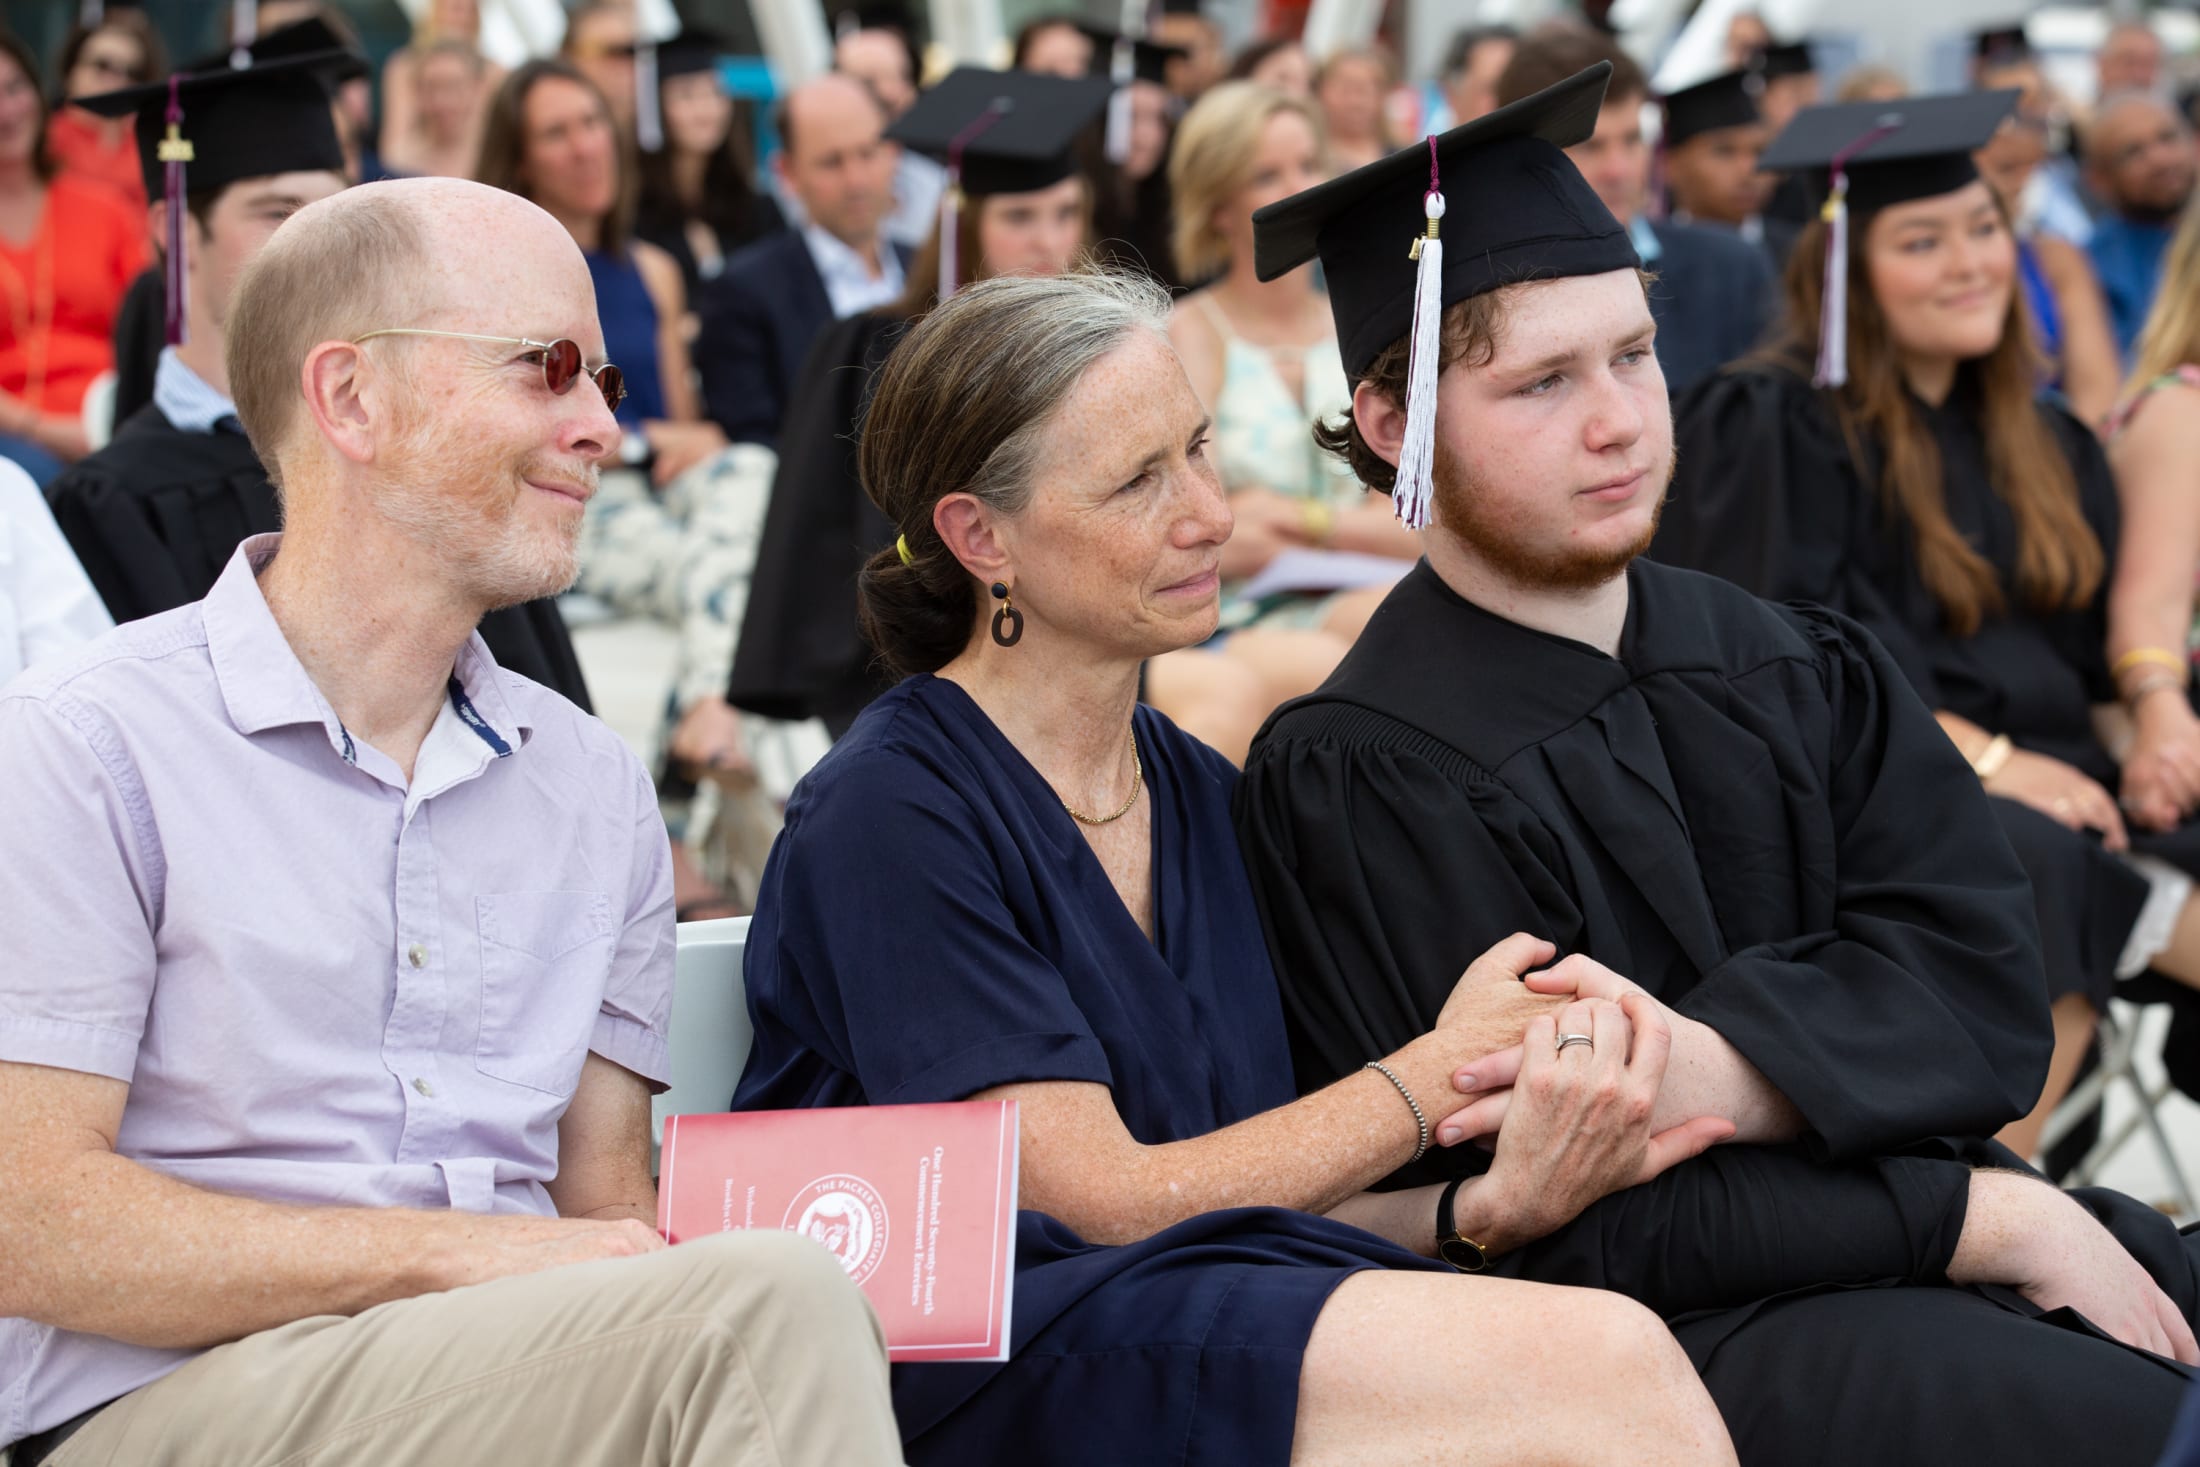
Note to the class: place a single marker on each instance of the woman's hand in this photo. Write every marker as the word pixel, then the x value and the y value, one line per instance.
pixel 707 744
pixel 1579 1127
pixel 2025 1234
pixel 1268 523
pixel 2062 793
pixel 678 447
pixel 1488 1012
pixel 2161 778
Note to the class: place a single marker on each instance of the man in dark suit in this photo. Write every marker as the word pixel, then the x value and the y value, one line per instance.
pixel 1715 295
pixel 761 315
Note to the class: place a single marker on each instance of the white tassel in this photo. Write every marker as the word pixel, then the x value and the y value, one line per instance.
pixel 950 232
pixel 1121 69
pixel 1833 311
pixel 1417 454
pixel 244 29
pixel 649 123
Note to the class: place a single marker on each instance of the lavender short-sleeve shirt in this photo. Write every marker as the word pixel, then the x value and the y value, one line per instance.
pixel 322 986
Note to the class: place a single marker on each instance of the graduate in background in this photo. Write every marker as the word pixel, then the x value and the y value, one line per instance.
pixel 157 513
pixel 1714 131
pixel 1968 524
pixel 1739 809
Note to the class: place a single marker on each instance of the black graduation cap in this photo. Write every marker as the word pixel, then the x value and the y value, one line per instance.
pixel 1726 100
pixel 269 118
pixel 1179 7
pixel 336 52
pixel 1003 132
pixel 1489 203
pixel 689 52
pixel 1891 152
pixel 1791 59
pixel 1872 154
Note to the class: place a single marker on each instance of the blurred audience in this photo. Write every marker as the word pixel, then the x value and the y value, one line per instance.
pixel 434 90
pixel 1353 88
pixel 2139 162
pixel 1055 45
pixel 2129 60
pixel 699 201
pixel 1871 83
pixel 886 60
pixel 763 312
pixel 121 50
pixel 1279 63
pixel 1477 57
pixel 599 42
pixel 550 139
pixel 1747 38
pixel 2063 301
pixel 2154 445
pixel 1712 295
pixel 1262 355
pixel 1180 25
pixel 47 605
pixel 449 85
pixel 68 250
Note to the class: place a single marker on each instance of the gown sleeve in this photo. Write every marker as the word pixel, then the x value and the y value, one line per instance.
pixel 1921 1010
pixel 927 990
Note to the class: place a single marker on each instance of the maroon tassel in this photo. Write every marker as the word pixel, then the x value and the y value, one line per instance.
pixel 175 152
pixel 951 197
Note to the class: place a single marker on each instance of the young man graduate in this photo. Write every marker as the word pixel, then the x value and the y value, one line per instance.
pixel 156 514
pixel 1737 808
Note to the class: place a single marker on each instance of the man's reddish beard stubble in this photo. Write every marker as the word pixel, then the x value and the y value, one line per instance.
pixel 1472 517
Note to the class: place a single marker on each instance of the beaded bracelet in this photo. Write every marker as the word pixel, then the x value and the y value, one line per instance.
pixel 1419 1119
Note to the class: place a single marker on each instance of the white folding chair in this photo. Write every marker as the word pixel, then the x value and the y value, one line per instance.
pixel 2119 1036
pixel 710 1021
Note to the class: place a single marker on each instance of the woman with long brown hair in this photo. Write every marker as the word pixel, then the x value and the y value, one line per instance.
pixel 1968 523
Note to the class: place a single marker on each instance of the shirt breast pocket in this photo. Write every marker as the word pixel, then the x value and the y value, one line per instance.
pixel 545 958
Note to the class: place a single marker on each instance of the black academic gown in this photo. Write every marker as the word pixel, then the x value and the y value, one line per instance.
pixel 1769 495
pixel 802 652
pixel 141 329
pixel 156 514
pixel 1729 814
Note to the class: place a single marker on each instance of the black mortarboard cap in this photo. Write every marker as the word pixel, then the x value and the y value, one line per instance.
pixel 1179 7
pixel 263 119
pixel 1491 203
pixel 1516 209
pixel 689 52
pixel 335 53
pixel 1791 59
pixel 1006 132
pixel 1726 100
pixel 1924 145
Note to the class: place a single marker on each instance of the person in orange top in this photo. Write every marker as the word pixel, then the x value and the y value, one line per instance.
pixel 121 50
pixel 68 250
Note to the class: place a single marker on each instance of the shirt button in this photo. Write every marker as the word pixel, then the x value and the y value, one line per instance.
pixel 424 1088
pixel 417 955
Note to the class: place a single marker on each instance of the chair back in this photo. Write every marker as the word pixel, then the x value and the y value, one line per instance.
pixel 710 1020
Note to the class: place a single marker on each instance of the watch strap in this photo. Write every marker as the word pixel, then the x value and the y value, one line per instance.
pixel 1461 1252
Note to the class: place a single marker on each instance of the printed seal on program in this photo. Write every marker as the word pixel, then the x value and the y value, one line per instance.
pixel 847 1215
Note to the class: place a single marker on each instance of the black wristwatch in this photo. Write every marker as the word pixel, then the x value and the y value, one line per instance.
pixel 1461 1252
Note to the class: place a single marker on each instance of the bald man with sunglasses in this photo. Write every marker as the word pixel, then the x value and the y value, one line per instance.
pixel 341 957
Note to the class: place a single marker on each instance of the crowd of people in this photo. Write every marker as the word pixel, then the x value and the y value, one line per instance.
pixel 1531 725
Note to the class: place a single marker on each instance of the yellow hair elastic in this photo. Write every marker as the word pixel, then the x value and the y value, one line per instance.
pixel 901 544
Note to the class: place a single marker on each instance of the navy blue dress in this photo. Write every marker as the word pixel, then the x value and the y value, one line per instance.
pixel 932 924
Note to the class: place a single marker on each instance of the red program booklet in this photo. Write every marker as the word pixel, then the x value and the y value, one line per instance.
pixel 918 1202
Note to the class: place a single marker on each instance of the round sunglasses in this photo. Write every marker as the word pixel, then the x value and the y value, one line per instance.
pixel 562 365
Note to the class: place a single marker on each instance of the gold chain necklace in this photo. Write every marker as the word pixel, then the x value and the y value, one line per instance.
pixel 1138 778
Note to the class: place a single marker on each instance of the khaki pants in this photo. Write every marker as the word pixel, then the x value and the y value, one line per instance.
pixel 748 1348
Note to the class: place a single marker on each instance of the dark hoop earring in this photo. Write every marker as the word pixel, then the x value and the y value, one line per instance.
pixel 1008 622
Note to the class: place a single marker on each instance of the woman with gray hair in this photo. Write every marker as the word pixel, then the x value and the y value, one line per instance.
pixel 1012 880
